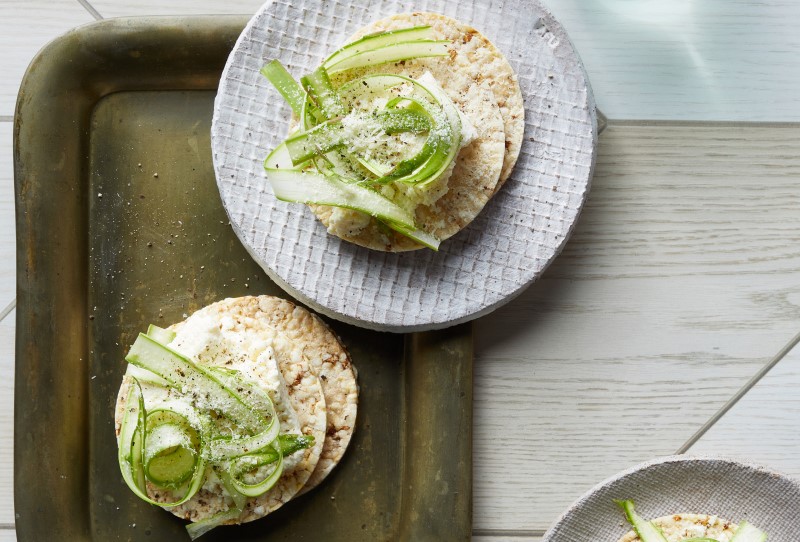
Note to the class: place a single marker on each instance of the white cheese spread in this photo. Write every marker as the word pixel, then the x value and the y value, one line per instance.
pixel 368 139
pixel 208 342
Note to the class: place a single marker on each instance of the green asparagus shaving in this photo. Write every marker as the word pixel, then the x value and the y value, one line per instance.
pixel 199 528
pixel 132 436
pixel 309 187
pixel 160 335
pixel 321 93
pixel 373 166
pixel 393 53
pixel 321 139
pixel 329 135
pixel 171 448
pixel 283 81
pixel 163 336
pixel 377 40
pixel 395 121
pixel 250 463
pixel 646 530
pixel 444 134
pixel 746 532
pixel 420 236
pixel 187 377
pixel 382 47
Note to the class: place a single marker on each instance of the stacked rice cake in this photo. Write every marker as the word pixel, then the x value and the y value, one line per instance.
pixel 293 356
pixel 479 80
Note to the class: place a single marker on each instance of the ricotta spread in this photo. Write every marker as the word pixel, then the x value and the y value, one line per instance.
pixel 370 141
pixel 216 344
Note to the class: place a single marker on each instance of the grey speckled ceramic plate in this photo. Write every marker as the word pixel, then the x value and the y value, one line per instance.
pixel 502 251
pixel 685 484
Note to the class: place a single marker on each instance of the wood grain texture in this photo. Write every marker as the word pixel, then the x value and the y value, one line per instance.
pixel 711 60
pixel 7 292
pixel 25 27
pixel 679 282
pixel 8 244
pixel 772 412
pixel 126 8
pixel 7 421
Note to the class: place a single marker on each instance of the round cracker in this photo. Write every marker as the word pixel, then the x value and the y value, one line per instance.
pixel 302 410
pixel 331 362
pixel 476 57
pixel 467 79
pixel 682 526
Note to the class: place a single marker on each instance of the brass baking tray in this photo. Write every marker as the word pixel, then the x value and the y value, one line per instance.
pixel 119 224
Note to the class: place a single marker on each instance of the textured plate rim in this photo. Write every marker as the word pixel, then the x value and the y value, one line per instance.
pixel 553 26
pixel 574 508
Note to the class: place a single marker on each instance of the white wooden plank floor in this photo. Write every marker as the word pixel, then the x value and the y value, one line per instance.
pixel 7 293
pixel 24 28
pixel 7 229
pixel 680 282
pixel 772 411
pixel 6 423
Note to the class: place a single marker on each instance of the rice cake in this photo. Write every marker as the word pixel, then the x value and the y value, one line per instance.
pixel 299 398
pixel 679 527
pixel 480 81
pixel 332 364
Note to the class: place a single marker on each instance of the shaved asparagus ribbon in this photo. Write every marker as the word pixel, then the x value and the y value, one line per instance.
pixel 382 47
pixel 174 445
pixel 647 531
pixel 318 165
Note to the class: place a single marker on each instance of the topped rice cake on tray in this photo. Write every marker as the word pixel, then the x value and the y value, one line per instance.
pixel 224 417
